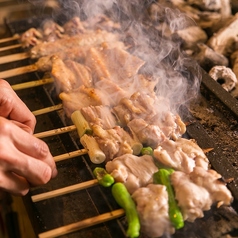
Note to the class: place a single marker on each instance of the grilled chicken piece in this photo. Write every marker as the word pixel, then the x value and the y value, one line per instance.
pixel 192 199
pixel 182 155
pixel 133 171
pixel 99 115
pixel 101 22
pixel 111 90
pixel 31 37
pixel 90 38
pixel 209 179
pixel 139 105
pixel 77 54
pixel 148 135
pixel 69 75
pixel 52 31
pixel 115 63
pixel 152 206
pixel 171 125
pixel 120 92
pixel 191 148
pixel 82 97
pixel 197 191
pixel 142 110
pixel 74 27
pixel 113 142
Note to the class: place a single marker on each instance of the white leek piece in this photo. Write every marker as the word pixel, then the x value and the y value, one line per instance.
pixel 81 123
pixel 96 155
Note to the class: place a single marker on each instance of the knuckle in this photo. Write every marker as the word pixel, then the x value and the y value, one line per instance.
pixel 41 149
pixel 5 100
pixel 5 127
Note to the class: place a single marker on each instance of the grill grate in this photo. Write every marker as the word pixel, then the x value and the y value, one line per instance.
pixel 70 208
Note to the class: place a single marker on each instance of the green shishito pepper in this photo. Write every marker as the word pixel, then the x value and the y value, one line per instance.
pixel 175 215
pixel 147 151
pixel 123 198
pixel 103 177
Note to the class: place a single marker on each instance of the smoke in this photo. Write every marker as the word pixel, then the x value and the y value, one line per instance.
pixel 150 38
pixel 153 40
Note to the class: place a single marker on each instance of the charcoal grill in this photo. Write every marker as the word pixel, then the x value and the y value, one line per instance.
pixel 73 204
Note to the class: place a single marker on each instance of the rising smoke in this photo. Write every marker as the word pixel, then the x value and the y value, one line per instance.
pixel 153 39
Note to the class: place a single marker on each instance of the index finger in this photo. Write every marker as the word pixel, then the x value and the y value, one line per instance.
pixel 12 107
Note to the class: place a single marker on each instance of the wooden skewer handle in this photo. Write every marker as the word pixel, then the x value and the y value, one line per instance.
pixel 54 132
pixel 10 47
pixel 13 57
pixel 32 84
pixel 65 190
pixel 83 224
pixel 15 37
pixel 70 155
pixel 18 71
pixel 47 109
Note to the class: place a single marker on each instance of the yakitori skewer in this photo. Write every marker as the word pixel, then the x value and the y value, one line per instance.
pixel 10 47
pixel 18 71
pixel 70 155
pixel 47 109
pixel 14 57
pixel 63 230
pixel 12 38
pixel 65 190
pixel 54 132
pixel 32 84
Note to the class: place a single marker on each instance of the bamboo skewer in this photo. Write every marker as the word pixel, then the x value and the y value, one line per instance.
pixel 70 155
pixel 63 230
pixel 32 84
pixel 15 37
pixel 65 190
pixel 55 131
pixel 10 47
pixel 18 71
pixel 13 57
pixel 47 109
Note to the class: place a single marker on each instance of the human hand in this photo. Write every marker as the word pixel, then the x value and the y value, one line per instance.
pixel 13 108
pixel 24 159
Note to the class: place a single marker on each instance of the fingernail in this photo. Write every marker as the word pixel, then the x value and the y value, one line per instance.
pixel 54 173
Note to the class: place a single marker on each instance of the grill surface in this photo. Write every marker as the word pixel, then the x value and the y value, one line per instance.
pixel 76 206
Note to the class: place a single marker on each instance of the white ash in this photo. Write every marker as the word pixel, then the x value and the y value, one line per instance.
pixel 226 74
